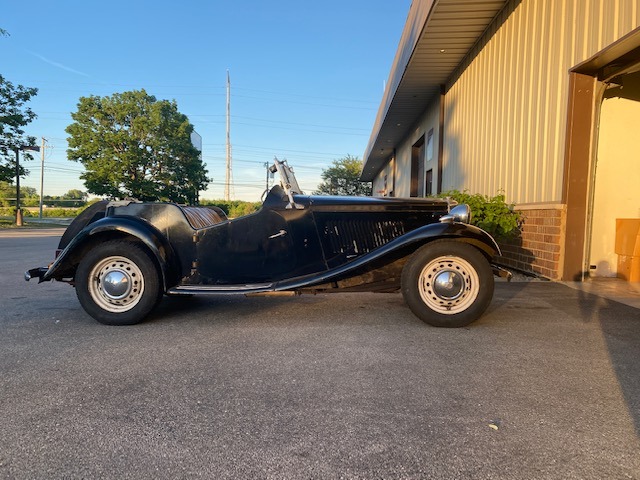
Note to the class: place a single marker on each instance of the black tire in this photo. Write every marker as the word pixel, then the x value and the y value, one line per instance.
pixel 447 284
pixel 134 287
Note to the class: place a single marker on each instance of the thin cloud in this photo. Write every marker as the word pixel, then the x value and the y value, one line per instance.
pixel 58 65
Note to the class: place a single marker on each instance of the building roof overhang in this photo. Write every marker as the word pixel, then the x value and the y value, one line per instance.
pixel 438 35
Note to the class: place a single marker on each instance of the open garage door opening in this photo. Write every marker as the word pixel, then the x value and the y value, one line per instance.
pixel 615 224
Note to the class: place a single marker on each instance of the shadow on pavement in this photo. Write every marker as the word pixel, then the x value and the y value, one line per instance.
pixel 620 326
pixel 618 323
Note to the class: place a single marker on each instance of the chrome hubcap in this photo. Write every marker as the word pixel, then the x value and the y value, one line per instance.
pixel 449 285
pixel 116 284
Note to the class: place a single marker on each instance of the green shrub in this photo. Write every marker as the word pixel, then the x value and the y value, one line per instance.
pixel 60 212
pixel 492 214
pixel 234 208
pixel 46 212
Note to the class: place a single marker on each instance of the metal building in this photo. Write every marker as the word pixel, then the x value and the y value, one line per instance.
pixel 539 99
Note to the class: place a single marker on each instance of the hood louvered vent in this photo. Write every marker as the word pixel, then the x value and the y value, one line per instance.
pixel 360 236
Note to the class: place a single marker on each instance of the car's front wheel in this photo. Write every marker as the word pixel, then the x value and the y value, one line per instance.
pixel 447 284
pixel 117 283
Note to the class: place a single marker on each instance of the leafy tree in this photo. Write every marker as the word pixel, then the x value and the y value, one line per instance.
pixel 29 197
pixel 28 192
pixel 75 195
pixel 8 194
pixel 14 115
pixel 133 145
pixel 74 198
pixel 343 178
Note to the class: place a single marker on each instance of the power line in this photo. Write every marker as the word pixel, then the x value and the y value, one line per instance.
pixel 261 163
pixel 275 149
pixel 298 123
pixel 108 84
pixel 306 103
pixel 62 169
pixel 192 115
pixel 288 129
pixel 149 86
pixel 263 120
pixel 307 96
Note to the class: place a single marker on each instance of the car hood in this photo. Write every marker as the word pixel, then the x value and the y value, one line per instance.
pixel 336 203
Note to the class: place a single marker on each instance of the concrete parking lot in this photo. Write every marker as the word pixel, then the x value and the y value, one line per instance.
pixel 546 385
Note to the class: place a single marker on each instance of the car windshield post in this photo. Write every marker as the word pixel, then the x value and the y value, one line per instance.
pixel 287 181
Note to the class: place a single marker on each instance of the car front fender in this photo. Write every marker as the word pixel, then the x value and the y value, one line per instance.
pixel 64 266
pixel 411 241
pixel 400 248
pixel 455 231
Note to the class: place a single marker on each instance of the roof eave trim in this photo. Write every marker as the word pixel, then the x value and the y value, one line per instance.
pixel 417 20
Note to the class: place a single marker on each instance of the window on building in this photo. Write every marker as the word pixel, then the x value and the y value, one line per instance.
pixel 429 183
pixel 417 168
pixel 430 145
pixel 392 169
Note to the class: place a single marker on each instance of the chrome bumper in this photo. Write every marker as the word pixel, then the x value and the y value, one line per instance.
pixel 35 273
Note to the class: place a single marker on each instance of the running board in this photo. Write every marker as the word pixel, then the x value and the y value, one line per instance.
pixel 221 289
pixel 502 272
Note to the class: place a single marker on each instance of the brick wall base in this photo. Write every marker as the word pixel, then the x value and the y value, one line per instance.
pixel 538 250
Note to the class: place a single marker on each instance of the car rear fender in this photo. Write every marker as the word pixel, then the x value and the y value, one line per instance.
pixel 116 227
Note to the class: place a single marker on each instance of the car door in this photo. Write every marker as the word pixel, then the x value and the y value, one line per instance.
pixel 250 249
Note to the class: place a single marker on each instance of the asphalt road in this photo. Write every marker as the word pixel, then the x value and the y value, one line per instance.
pixel 545 386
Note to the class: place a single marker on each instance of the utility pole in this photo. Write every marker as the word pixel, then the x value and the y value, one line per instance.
pixel 41 176
pixel 229 175
pixel 18 210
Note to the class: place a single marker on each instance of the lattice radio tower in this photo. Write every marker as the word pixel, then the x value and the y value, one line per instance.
pixel 228 183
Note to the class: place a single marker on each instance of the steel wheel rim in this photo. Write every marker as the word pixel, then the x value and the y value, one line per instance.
pixel 449 285
pixel 116 284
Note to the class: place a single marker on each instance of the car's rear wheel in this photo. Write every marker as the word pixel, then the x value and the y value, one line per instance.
pixel 117 283
pixel 447 284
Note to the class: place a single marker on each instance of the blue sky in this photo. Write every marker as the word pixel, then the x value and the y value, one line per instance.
pixel 306 77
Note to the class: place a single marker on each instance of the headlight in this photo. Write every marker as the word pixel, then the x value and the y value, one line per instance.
pixel 460 213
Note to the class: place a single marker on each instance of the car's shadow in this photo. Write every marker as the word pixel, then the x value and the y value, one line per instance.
pixel 279 310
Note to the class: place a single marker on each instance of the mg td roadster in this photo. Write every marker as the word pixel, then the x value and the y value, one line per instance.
pixel 122 256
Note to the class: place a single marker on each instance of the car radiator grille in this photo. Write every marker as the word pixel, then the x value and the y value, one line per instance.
pixel 359 237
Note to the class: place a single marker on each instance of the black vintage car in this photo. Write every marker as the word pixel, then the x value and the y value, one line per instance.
pixel 123 256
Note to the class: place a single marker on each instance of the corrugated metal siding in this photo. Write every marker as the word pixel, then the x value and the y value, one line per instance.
pixel 505 111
